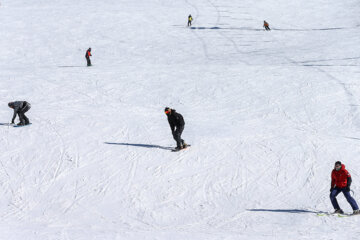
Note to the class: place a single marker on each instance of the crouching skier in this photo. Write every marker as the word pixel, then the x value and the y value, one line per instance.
pixel 177 124
pixel 340 182
pixel 20 108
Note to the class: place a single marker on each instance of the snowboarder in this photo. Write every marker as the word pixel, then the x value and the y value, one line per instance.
pixel 177 125
pixel 20 108
pixel 189 20
pixel 87 56
pixel 266 26
pixel 340 182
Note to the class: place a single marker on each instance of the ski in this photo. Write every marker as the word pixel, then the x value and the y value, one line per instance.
pixel 341 215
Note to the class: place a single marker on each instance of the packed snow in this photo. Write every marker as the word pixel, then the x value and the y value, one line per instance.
pixel 267 114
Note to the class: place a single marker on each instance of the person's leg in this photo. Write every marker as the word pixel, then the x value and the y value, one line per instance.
pixel 350 200
pixel 24 116
pixel 177 136
pixel 333 195
pixel 21 117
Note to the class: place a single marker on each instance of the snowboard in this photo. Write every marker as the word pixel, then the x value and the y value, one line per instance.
pixel 22 125
pixel 178 150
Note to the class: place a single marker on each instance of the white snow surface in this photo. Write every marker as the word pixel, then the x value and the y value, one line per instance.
pixel 267 114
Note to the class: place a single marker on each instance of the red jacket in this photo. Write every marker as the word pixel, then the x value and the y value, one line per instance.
pixel 339 178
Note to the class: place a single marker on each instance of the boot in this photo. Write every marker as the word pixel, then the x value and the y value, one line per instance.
pixel 20 124
pixel 356 211
pixel 339 211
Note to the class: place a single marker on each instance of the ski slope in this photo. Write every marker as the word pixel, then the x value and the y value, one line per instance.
pixel 267 115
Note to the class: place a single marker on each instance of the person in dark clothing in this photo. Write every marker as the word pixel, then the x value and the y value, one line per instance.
pixel 340 182
pixel 266 26
pixel 190 18
pixel 177 125
pixel 20 108
pixel 87 56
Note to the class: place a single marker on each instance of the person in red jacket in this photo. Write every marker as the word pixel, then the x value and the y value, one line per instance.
pixel 87 56
pixel 266 26
pixel 340 182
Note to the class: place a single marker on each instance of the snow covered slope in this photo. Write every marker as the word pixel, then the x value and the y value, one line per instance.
pixel 267 114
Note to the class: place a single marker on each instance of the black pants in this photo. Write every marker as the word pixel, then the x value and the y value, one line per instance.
pixel 21 114
pixel 88 61
pixel 189 23
pixel 177 136
pixel 267 28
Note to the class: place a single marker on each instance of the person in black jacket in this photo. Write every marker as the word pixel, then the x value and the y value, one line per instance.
pixel 87 56
pixel 20 108
pixel 177 125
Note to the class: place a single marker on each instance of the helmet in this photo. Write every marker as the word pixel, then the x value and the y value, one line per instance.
pixel 10 104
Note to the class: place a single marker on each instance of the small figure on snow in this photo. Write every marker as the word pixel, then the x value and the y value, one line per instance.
pixel 87 56
pixel 266 26
pixel 340 182
pixel 190 18
pixel 20 108
pixel 177 125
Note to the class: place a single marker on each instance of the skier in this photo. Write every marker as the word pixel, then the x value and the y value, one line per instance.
pixel 189 20
pixel 177 125
pixel 340 182
pixel 87 56
pixel 20 108
pixel 266 26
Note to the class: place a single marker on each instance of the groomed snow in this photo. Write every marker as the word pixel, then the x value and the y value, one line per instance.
pixel 267 114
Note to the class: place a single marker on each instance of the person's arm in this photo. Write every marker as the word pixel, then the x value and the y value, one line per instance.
pixel 14 116
pixel 172 127
pixel 349 181
pixel 332 181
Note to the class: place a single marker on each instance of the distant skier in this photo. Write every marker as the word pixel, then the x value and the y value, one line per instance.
pixel 340 182
pixel 87 56
pixel 20 108
pixel 190 18
pixel 266 26
pixel 177 125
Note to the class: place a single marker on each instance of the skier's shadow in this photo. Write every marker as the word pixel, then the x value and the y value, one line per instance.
pixel 5 124
pixel 70 66
pixel 282 210
pixel 141 145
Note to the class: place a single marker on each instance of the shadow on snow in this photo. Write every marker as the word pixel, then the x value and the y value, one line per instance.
pixel 283 210
pixel 260 29
pixel 141 145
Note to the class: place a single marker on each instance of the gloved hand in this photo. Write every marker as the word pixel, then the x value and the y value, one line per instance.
pixel 347 189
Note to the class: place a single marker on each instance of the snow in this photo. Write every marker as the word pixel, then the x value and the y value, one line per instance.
pixel 267 115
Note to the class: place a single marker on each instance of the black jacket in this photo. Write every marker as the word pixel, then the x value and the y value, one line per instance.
pixel 18 106
pixel 175 120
